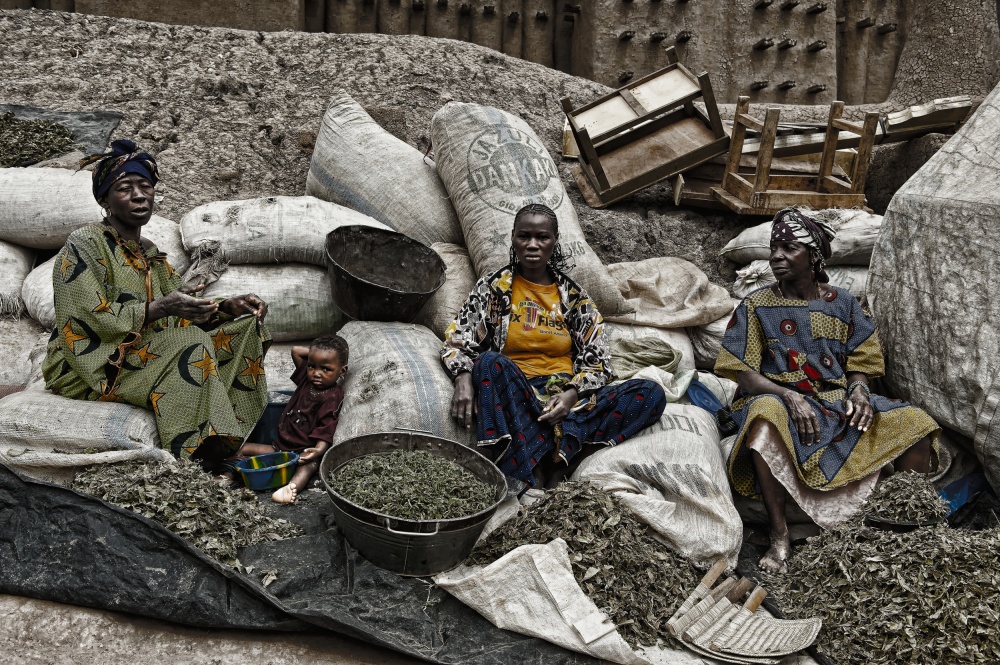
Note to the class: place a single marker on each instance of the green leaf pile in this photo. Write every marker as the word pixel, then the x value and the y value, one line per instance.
pixel 630 575
pixel 413 485
pixel 931 595
pixel 906 497
pixel 185 500
pixel 24 142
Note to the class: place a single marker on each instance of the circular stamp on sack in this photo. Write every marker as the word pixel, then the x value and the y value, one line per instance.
pixel 508 169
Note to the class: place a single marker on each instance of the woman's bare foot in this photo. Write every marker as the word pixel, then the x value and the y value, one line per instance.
pixel 286 494
pixel 775 560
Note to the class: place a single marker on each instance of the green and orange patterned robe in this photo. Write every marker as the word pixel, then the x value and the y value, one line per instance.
pixel 198 381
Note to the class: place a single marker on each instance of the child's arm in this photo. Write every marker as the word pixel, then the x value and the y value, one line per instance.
pixel 299 355
pixel 314 453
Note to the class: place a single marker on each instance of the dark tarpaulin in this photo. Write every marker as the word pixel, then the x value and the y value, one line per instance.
pixel 60 545
pixel 90 129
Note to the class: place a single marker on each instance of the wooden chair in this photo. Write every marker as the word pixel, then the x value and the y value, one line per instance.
pixel 765 194
pixel 644 132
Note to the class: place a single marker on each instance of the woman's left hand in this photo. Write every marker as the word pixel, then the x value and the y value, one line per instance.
pixel 859 410
pixel 245 304
pixel 557 407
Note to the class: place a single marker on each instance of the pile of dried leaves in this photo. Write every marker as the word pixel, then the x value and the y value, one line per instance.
pixel 412 485
pixel 24 142
pixel 186 500
pixel 907 497
pixel 931 595
pixel 635 579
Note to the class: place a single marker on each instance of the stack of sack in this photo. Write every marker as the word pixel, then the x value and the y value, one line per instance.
pixel 847 267
pixel 856 230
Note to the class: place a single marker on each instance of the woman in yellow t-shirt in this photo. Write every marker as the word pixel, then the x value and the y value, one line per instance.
pixel 530 362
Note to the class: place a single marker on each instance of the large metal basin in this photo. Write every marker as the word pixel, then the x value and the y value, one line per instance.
pixel 410 547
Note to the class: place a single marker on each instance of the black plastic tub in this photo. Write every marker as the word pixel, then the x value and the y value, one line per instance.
pixel 379 275
pixel 410 547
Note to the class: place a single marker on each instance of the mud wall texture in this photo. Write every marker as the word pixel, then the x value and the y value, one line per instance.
pixel 775 51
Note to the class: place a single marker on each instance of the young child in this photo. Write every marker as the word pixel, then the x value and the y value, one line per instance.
pixel 310 419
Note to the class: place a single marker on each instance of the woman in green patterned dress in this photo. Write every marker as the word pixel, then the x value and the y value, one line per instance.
pixel 128 331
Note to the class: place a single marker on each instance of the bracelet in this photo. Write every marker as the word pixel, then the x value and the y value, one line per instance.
pixel 864 388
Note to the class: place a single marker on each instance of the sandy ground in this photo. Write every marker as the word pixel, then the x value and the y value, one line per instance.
pixel 39 632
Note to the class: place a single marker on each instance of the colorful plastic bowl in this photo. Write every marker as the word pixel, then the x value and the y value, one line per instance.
pixel 270 471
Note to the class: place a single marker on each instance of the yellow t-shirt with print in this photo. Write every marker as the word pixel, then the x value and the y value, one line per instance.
pixel 537 339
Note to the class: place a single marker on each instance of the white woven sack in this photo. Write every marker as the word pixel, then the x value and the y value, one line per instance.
pixel 396 380
pixel 857 231
pixel 707 339
pixel 358 164
pixel 667 292
pixel 758 274
pixel 852 278
pixel 279 366
pixel 273 229
pixel 531 590
pixel 15 265
pixel 48 437
pixel 492 164
pixel 675 337
pixel 298 296
pixel 22 343
pixel 37 290
pixel 41 207
pixel 672 477
pixel 444 306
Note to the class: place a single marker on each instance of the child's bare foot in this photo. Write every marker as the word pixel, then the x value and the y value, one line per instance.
pixel 286 494
pixel 775 560
pixel 224 479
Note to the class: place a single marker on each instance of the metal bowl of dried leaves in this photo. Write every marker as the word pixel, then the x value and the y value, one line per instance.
pixel 411 502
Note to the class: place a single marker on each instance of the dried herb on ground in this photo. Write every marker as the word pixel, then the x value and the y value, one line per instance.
pixel 186 500
pixel 24 142
pixel 931 595
pixel 632 577
pixel 906 497
pixel 412 485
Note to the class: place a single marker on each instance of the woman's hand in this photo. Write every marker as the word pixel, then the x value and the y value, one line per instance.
pixel 802 414
pixel 557 407
pixel 245 304
pixel 859 410
pixel 180 303
pixel 463 401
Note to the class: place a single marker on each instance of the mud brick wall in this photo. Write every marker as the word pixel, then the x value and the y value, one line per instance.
pixel 265 15
pixel 780 51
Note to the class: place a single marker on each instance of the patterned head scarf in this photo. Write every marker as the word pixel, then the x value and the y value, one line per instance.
pixel 125 157
pixel 791 225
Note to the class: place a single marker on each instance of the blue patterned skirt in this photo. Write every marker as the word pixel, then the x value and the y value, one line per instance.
pixel 509 407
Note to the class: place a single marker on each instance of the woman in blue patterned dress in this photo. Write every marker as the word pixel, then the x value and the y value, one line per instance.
pixel 530 362
pixel 803 352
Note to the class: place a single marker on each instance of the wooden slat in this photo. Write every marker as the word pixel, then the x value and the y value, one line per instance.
pixel 863 158
pixel 633 102
pixel 763 177
pixel 736 142
pixel 591 159
pixel 750 122
pixel 708 95
pixel 740 186
pixel 829 143
pixel 773 201
pixel 847 126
